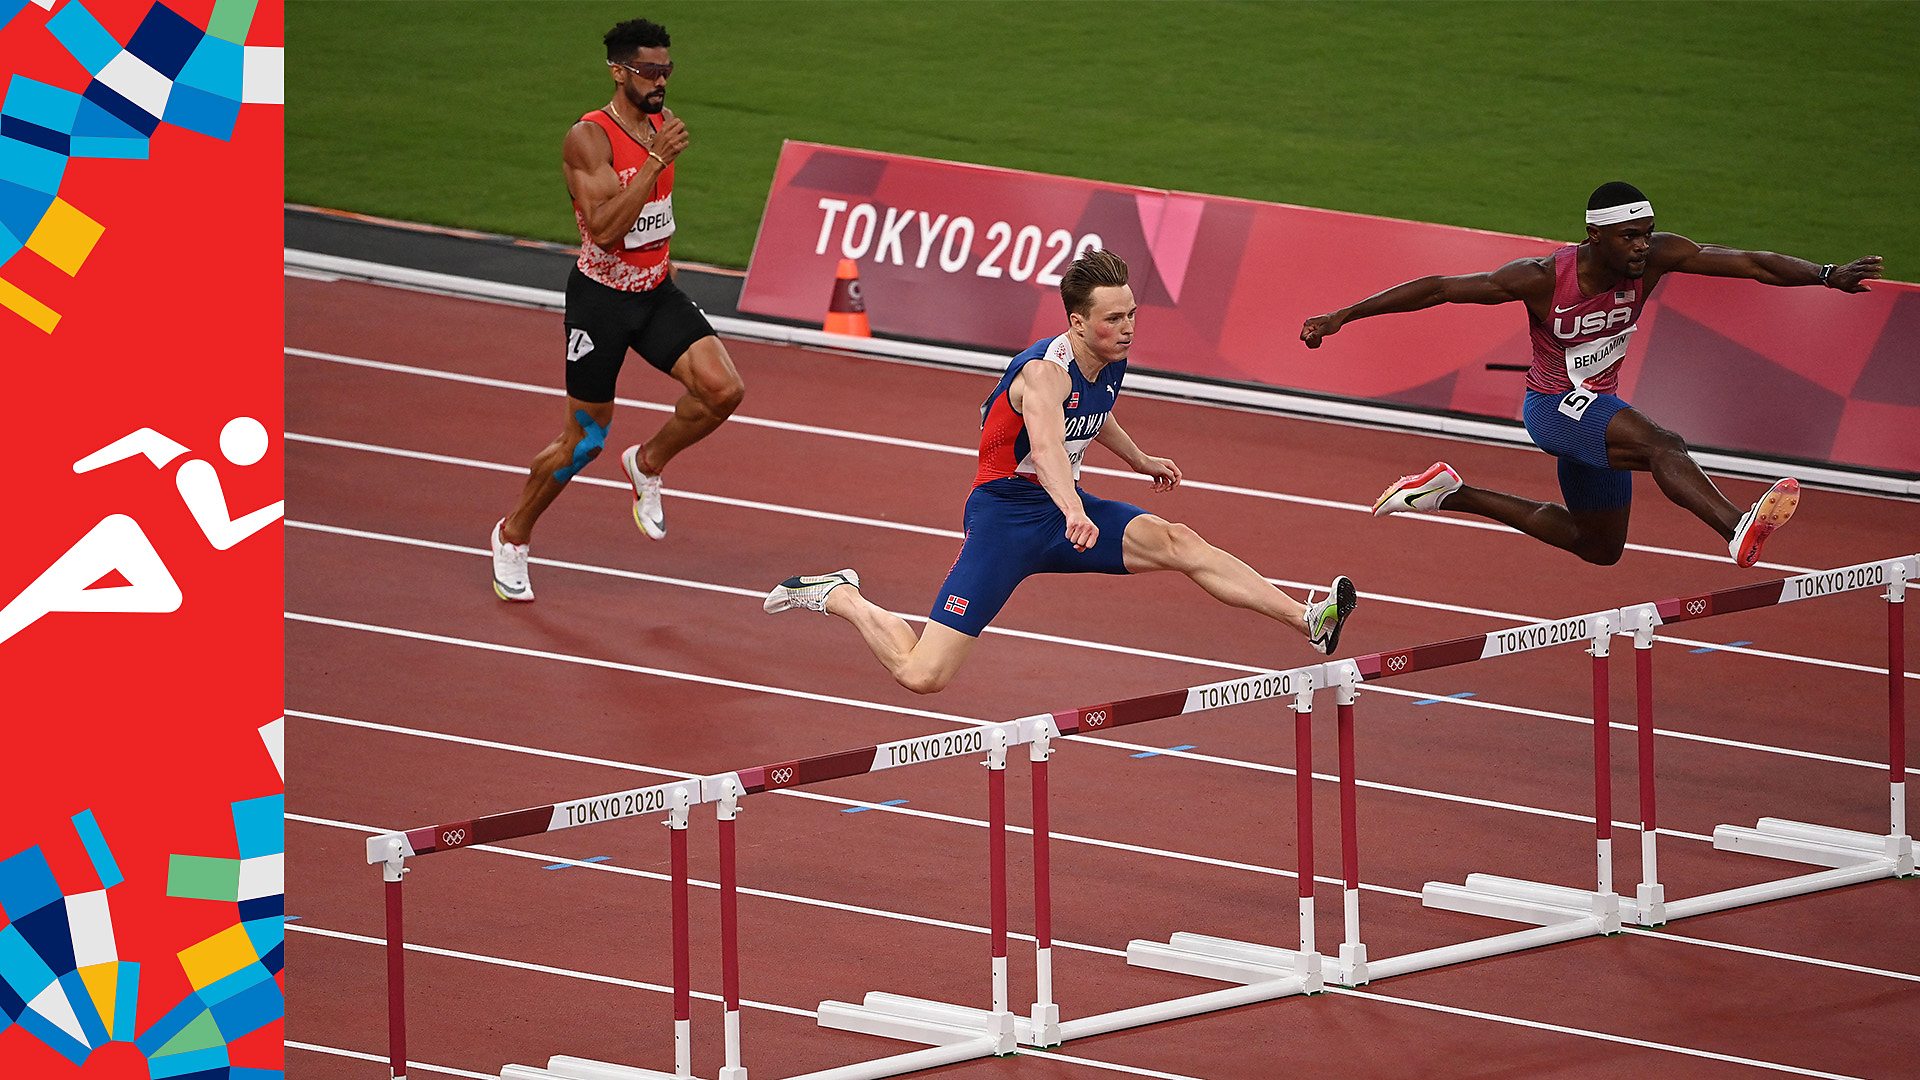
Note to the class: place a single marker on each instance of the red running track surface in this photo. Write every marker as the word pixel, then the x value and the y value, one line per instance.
pixel 415 696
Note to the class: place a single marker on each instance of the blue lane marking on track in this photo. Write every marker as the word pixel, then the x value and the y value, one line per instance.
pixel 291 918
pixel 889 802
pixel 1449 697
pixel 1156 753
pixel 1717 648
pixel 564 865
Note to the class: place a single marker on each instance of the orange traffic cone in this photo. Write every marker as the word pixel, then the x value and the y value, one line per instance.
pixel 847 312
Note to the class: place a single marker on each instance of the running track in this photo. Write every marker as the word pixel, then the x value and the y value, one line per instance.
pixel 414 696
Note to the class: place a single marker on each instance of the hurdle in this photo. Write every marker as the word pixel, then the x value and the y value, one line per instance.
pixel 1852 856
pixel 1562 913
pixel 946 1031
pixel 390 852
pixel 1270 973
pixel 950 1033
pixel 1596 912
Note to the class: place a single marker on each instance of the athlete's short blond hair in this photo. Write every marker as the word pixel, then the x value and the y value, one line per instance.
pixel 1089 272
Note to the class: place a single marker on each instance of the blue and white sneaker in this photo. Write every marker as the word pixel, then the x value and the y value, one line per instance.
pixel 808 592
pixel 1326 617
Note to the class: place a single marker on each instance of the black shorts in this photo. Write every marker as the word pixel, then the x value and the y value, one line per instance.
pixel 660 324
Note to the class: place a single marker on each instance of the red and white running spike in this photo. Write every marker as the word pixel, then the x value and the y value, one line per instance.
pixel 1421 491
pixel 1771 512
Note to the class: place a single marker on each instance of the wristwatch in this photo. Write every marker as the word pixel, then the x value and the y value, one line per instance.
pixel 1826 272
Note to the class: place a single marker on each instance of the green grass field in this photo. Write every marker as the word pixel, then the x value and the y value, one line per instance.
pixel 1787 126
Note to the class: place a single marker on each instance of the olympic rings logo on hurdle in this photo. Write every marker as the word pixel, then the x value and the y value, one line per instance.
pixel 454 837
pixel 1696 607
pixel 782 775
pixel 1398 662
pixel 1094 718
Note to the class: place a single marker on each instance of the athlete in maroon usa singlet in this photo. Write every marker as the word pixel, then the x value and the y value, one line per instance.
pixel 1583 302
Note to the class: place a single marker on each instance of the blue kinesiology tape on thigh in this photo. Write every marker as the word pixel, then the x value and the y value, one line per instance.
pixel 586 450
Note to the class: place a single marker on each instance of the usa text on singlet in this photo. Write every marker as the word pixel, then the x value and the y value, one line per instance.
pixel 1577 354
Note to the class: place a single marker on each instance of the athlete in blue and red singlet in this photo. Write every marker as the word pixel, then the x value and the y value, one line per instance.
pixel 619 164
pixel 1027 514
pixel 1583 302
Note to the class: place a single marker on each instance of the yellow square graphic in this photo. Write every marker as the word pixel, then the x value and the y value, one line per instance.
pixel 218 956
pixel 65 236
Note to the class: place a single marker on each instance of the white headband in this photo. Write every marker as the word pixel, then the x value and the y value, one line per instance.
pixel 1614 215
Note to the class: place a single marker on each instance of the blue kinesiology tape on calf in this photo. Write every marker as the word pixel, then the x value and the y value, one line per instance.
pixel 586 449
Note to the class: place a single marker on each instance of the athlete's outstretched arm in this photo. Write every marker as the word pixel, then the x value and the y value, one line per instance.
pixel 1039 395
pixel 1515 281
pixel 1115 438
pixel 1673 253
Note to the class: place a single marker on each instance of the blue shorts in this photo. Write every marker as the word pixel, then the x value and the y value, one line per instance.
pixel 1587 482
pixel 1014 530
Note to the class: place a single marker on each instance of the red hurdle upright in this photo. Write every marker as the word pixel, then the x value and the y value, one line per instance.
pixel 390 852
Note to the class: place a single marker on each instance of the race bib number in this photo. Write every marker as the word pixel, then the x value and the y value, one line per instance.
pixel 1574 405
pixel 653 226
pixel 1594 358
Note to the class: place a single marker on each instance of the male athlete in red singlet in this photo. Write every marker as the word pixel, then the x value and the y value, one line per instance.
pixel 618 163
pixel 1582 302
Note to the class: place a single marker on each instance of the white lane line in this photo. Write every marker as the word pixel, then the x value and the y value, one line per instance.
pixel 303 927
pixel 610 980
pixel 971 451
pixel 714 886
pixel 1130 1070
pixel 412 1066
pixel 927 530
pixel 1728 946
pixel 1101 646
pixel 1586 1034
pixel 904 811
pixel 855 703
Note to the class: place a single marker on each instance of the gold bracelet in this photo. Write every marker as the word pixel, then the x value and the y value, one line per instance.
pixel 656 157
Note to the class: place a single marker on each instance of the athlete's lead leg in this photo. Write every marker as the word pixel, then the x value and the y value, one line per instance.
pixel 1640 445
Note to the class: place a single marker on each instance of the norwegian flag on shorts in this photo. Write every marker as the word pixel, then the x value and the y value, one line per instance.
pixel 957 604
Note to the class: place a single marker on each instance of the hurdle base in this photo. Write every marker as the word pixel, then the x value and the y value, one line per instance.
pixel 1799 841
pixel 935 1023
pixel 1043 1027
pixel 1483 948
pixel 1648 906
pixel 573 1068
pixel 1351 968
pixel 1230 998
pixel 1526 901
pixel 1243 962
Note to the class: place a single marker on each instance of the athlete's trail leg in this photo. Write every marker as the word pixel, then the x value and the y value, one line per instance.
pixel 1153 543
pixel 1597 536
pixel 924 665
pixel 541 487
